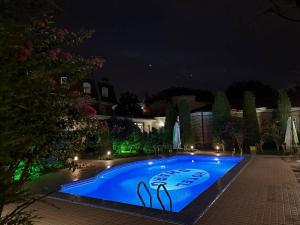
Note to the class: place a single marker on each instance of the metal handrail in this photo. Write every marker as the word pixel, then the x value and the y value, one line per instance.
pixel 158 197
pixel 139 194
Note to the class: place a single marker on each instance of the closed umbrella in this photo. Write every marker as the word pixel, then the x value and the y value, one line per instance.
pixel 176 136
pixel 291 136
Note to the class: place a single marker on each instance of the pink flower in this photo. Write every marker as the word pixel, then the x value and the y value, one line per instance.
pixel 25 52
pixel 89 111
pixel 67 55
pixel 53 53
pixel 74 93
pixel 28 45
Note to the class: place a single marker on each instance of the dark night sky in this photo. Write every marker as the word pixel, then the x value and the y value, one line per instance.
pixel 155 44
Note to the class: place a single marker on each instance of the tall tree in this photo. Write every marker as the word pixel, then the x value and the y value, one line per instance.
pixel 40 118
pixel 171 116
pixel 221 114
pixel 129 105
pixel 283 110
pixel 185 124
pixel 250 120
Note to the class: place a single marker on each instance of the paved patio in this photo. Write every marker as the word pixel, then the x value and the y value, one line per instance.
pixel 265 193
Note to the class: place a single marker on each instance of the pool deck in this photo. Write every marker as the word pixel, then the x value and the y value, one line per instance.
pixel 265 193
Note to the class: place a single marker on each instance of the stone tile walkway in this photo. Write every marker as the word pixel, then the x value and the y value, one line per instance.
pixel 265 193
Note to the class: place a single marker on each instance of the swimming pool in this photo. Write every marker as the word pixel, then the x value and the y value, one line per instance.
pixel 184 176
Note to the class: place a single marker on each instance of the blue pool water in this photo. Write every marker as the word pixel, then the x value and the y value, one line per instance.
pixel 185 177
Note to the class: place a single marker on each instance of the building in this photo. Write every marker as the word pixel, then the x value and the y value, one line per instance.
pixel 102 92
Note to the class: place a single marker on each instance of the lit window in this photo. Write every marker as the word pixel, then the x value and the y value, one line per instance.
pixel 63 80
pixel 140 125
pixel 87 88
pixel 104 92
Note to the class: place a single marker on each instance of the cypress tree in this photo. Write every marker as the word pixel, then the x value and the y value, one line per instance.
pixel 250 120
pixel 171 116
pixel 283 110
pixel 221 113
pixel 185 124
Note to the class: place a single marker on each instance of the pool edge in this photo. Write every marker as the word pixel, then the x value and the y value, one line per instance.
pixel 188 215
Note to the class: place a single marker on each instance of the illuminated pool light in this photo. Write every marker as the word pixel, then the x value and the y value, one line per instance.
pixel 150 163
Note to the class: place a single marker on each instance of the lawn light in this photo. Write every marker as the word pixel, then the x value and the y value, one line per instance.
pixel 192 147
pixel 76 158
pixel 108 153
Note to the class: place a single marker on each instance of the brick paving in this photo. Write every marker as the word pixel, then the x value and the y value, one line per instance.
pixel 265 193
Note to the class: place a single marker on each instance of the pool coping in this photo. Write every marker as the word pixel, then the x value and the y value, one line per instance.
pixel 188 215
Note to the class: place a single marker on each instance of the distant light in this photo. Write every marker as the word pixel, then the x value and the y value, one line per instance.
pixel 218 154
pixel 150 163
pixel 76 158
pixel 108 153
pixel 192 153
pixel 192 147
pixel 217 147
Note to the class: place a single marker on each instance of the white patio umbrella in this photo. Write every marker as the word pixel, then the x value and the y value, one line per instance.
pixel 291 137
pixel 176 136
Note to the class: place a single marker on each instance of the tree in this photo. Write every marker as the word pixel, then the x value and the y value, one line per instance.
pixel 185 124
pixel 129 105
pixel 250 120
pixel 171 117
pixel 283 111
pixel 265 95
pixel 221 111
pixel 40 118
pixel 235 129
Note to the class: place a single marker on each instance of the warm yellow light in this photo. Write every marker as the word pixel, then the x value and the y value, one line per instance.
pixel 192 147
pixel 76 158
pixel 108 153
pixel 217 147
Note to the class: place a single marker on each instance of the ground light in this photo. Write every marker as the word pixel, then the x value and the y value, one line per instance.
pixel 108 154
pixel 76 158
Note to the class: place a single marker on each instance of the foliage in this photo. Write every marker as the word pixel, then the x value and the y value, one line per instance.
pixel 132 144
pixel 265 94
pixel 250 120
pixel 156 139
pixel 283 111
pixel 171 117
pixel 185 124
pixel 100 141
pixel 40 119
pixel 221 114
pixel 129 105
pixel 271 133
pixel 167 94
pixel 235 129
pixel 126 137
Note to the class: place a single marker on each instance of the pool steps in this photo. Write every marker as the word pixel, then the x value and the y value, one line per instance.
pixel 157 195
